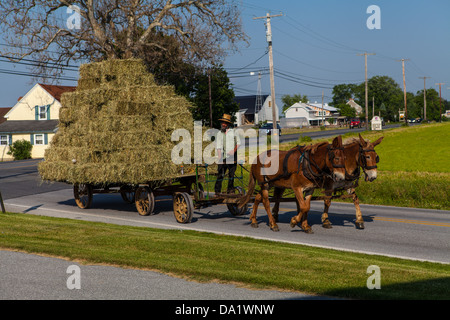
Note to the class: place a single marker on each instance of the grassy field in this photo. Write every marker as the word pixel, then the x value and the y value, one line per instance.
pixel 209 257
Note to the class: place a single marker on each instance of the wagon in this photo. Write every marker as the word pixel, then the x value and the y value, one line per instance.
pixel 187 190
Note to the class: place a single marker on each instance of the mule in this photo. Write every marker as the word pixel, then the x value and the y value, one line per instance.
pixel 359 153
pixel 303 169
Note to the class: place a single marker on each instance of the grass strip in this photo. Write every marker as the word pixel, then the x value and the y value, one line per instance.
pixel 210 257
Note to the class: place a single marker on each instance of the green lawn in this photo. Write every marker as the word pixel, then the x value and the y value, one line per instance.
pixel 209 257
pixel 421 148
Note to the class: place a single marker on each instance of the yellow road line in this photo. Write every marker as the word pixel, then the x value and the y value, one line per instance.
pixel 426 223
pixel 19 167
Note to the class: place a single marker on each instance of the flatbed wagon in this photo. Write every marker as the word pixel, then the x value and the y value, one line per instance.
pixel 187 191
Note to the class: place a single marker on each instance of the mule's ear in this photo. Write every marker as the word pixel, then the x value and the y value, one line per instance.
pixel 362 142
pixel 377 142
pixel 337 142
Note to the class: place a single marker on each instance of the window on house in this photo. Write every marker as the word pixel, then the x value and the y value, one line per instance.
pixel 42 112
pixel 3 140
pixel 39 139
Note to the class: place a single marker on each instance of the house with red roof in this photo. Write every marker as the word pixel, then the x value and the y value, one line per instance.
pixel 34 118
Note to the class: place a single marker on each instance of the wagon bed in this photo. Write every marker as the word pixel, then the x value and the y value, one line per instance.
pixel 186 189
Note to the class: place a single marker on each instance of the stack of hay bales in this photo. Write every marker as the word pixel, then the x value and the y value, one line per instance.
pixel 116 127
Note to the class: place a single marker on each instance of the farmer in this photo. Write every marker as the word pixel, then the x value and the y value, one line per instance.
pixel 227 145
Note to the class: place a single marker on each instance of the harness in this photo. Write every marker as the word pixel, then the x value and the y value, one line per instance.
pixel 285 173
pixel 362 159
pixel 305 161
pixel 313 176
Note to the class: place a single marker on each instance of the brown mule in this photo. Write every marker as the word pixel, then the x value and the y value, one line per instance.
pixel 359 153
pixel 302 169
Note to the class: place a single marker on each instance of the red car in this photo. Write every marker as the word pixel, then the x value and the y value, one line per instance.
pixel 355 123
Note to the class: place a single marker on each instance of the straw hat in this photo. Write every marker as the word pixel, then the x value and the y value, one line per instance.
pixel 226 118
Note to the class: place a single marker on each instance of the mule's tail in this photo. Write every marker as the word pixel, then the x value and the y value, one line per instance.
pixel 251 188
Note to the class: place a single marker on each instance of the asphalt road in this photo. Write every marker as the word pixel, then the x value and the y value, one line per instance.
pixel 316 134
pixel 328 133
pixel 402 232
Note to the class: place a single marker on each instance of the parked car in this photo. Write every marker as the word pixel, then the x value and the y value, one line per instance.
pixel 355 123
pixel 268 127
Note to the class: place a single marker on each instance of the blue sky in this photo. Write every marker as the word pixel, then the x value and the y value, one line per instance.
pixel 316 45
pixel 317 42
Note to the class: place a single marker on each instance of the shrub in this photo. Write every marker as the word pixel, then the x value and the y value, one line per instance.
pixel 303 139
pixel 20 150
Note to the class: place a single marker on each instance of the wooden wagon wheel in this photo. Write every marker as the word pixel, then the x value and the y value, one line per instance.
pixel 183 208
pixel 145 201
pixel 233 208
pixel 83 195
pixel 128 193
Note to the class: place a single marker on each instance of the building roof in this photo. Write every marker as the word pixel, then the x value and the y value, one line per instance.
pixel 248 102
pixel 56 91
pixel 3 112
pixel 325 106
pixel 28 126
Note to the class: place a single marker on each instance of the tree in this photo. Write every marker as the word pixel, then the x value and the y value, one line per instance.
pixel 222 96
pixel 342 93
pixel 346 110
pixel 289 100
pixel 44 32
pixel 382 89
pixel 432 104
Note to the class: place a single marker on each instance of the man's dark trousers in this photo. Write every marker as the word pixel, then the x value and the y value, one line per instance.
pixel 222 168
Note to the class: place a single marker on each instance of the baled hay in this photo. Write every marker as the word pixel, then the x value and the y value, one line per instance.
pixel 116 128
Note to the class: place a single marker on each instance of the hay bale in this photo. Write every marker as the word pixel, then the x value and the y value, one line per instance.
pixel 116 128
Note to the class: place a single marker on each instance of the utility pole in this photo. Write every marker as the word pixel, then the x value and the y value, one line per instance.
pixel 323 117
pixel 373 107
pixel 404 88
pixel 440 101
pixel 424 97
pixel 210 99
pixel 272 81
pixel 367 92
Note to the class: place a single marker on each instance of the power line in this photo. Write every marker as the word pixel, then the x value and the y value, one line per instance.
pixel 312 66
pixel 301 82
pixel 17 73
pixel 252 63
pixel 322 38
pixel 35 64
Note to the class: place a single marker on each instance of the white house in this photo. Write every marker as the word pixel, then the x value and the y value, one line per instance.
pixel 313 112
pixel 248 112
pixel 355 106
pixel 34 118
